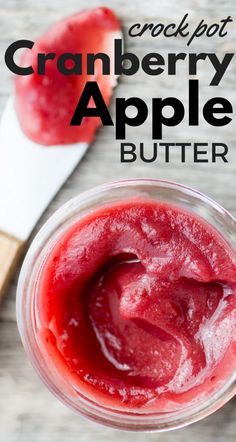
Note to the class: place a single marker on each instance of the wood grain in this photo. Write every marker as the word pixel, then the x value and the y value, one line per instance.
pixel 28 412
pixel 10 250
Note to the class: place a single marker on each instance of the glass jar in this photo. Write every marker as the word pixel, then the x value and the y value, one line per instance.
pixel 159 190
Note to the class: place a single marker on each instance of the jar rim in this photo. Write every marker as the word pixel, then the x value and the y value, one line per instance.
pixel 26 324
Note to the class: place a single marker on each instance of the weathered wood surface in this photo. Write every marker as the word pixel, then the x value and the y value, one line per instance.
pixel 28 412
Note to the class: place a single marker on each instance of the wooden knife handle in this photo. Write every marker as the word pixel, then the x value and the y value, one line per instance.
pixel 10 251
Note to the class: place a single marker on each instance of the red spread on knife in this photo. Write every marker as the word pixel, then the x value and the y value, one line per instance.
pixel 137 306
pixel 46 103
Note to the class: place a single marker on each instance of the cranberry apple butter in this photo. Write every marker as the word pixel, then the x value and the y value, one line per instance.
pixel 137 306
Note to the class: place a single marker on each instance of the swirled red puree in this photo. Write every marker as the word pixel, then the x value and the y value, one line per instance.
pixel 137 306
pixel 46 103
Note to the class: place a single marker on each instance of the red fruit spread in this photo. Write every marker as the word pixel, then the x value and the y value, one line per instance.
pixel 137 306
pixel 46 103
